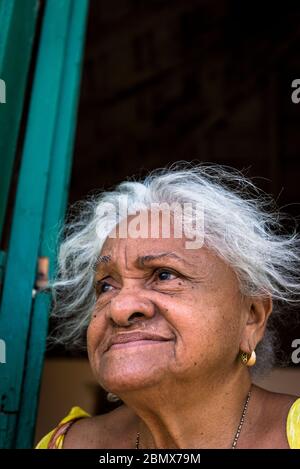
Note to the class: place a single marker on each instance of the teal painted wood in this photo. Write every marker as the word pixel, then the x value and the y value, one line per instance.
pixel 17 29
pixel 2 265
pixel 29 210
pixel 25 426
pixel 58 181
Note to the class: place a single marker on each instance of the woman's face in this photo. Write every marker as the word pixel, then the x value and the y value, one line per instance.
pixel 184 303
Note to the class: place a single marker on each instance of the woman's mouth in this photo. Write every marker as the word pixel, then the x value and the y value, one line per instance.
pixel 135 339
pixel 136 343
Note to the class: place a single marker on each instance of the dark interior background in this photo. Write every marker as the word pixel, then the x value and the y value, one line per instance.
pixel 204 80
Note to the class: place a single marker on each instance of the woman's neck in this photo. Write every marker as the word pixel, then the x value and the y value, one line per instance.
pixel 195 416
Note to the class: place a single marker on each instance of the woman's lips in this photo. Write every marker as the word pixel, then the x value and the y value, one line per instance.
pixel 136 343
pixel 134 339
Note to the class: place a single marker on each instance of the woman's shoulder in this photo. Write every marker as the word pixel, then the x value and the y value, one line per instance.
pixel 115 429
pixel 110 430
pixel 275 400
pixel 290 408
pixel 281 415
pixel 54 439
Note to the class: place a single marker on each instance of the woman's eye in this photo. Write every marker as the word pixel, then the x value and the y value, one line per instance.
pixel 166 275
pixel 102 287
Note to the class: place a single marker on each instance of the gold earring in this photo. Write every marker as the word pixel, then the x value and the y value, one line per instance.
pixel 248 360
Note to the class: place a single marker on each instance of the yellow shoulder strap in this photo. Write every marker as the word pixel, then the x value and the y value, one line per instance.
pixel 74 414
pixel 293 425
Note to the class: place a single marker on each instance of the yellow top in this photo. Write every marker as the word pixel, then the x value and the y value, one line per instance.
pixel 293 425
pixel 55 438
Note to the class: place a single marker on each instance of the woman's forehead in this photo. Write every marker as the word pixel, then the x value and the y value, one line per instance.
pixel 139 247
pixel 141 252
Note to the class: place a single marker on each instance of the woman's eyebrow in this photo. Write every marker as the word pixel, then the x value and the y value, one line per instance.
pixel 142 261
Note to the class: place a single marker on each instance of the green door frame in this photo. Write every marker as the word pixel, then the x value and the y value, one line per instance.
pixel 38 213
pixel 17 26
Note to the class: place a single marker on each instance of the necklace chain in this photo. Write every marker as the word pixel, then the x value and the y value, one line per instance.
pixel 238 432
pixel 239 429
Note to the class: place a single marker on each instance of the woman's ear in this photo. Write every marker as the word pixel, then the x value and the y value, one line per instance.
pixel 258 312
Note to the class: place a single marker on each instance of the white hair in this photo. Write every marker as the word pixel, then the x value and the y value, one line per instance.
pixel 242 226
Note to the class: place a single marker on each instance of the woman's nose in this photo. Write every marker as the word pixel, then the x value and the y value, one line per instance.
pixel 128 307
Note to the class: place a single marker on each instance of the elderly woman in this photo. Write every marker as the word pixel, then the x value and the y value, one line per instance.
pixel 171 281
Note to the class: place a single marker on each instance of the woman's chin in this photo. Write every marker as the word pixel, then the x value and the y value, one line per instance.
pixel 120 371
pixel 124 380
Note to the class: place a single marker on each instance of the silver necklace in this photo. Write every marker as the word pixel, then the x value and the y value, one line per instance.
pixel 238 432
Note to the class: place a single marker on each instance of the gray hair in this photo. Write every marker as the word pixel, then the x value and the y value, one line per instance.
pixel 242 226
